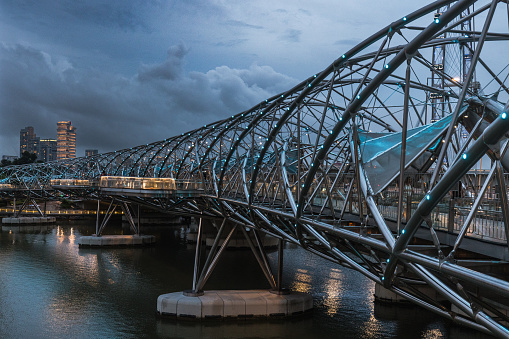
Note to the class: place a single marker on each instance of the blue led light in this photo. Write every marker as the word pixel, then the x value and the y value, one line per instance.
pixel 403 232
pixel 437 20
pixel 358 97
pixel 386 66
pixel 404 18
pixel 383 278
pixel 464 156
pixel 388 260
pixel 503 115
pixel 343 56
pixel 427 197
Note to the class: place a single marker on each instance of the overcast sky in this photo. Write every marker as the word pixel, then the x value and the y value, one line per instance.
pixel 133 72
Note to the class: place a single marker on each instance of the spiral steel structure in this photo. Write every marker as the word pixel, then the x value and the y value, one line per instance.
pixel 355 160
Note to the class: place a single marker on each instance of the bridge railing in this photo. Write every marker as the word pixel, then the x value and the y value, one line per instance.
pixel 139 183
pixel 450 214
pixel 70 182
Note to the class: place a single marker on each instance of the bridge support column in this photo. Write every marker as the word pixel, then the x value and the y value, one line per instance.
pixel 200 277
pixel 98 240
pixel 242 304
pixel 97 217
pixel 45 203
pixel 130 219
pixel 195 291
pixel 28 200
pixel 261 257
pixel 109 213
pixel 279 284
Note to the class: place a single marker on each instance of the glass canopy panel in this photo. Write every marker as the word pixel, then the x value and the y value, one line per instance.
pixel 381 153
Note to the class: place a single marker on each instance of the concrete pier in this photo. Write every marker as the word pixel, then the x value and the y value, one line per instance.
pixel 28 220
pixel 116 240
pixel 18 228
pixel 384 295
pixel 208 239
pixel 233 304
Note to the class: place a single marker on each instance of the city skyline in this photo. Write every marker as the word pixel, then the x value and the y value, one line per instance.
pixel 134 73
pixel 46 148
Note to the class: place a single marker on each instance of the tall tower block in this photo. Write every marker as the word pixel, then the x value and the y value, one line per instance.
pixel 66 140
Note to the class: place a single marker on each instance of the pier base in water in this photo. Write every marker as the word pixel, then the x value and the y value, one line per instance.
pixel 233 304
pixel 385 295
pixel 28 220
pixel 116 240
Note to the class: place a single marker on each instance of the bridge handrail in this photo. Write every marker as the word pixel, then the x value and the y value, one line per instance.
pixel 142 183
pixel 70 182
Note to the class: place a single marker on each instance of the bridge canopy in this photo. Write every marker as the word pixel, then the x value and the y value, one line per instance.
pixel 381 152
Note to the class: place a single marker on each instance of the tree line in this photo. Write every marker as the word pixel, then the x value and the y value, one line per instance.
pixel 26 158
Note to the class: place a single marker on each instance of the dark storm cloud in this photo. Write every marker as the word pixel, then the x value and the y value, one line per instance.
pixel 305 11
pixel 127 15
pixel 114 111
pixel 169 70
pixel 230 43
pixel 102 64
pixel 124 14
pixel 291 35
pixel 237 23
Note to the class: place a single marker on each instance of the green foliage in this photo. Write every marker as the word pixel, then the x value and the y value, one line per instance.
pixel 26 158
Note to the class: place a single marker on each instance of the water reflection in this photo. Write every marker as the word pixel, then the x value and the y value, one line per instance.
pixel 301 281
pixel 72 237
pixel 49 288
pixel 333 290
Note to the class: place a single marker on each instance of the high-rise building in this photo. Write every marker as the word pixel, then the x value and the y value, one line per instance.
pixel 47 150
pixel 66 140
pixel 90 152
pixel 28 141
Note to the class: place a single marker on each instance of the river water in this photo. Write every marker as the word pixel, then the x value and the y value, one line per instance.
pixel 50 288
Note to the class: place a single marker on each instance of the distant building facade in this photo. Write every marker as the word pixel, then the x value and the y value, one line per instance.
pixel 47 150
pixel 90 152
pixel 66 140
pixel 28 141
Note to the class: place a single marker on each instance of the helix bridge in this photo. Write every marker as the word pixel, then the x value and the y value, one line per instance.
pixel 391 162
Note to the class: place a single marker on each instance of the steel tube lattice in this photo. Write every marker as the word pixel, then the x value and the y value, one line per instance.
pixel 321 164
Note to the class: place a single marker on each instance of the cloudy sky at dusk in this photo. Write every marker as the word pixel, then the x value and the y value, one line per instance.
pixel 133 72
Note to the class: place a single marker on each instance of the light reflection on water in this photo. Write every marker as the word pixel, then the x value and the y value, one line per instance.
pixel 334 290
pixel 301 281
pixel 49 288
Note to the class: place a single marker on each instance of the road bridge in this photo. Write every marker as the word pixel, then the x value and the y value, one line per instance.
pixel 391 161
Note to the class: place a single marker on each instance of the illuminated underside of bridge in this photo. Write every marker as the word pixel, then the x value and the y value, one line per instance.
pixel 320 164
